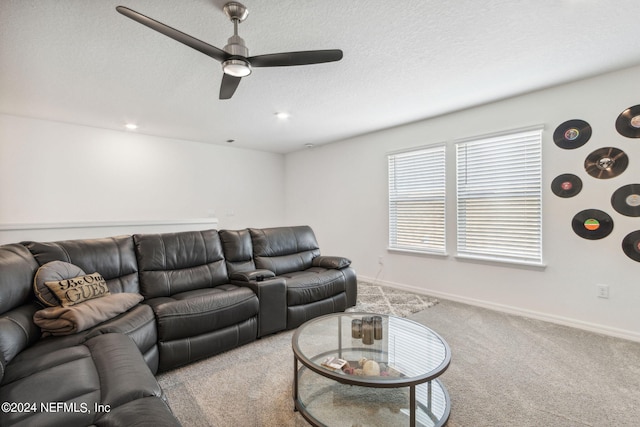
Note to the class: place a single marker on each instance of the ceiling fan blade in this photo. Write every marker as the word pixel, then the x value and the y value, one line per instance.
pixel 296 58
pixel 228 86
pixel 179 36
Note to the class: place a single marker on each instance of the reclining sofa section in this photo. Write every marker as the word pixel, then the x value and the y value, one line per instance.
pixel 183 277
pixel 313 284
pixel 202 293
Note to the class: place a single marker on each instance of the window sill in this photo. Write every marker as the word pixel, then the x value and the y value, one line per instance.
pixel 417 253
pixel 507 262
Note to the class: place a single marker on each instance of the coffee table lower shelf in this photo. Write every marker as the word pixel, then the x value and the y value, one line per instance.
pixel 324 401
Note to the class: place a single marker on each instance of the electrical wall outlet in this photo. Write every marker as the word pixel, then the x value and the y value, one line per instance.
pixel 603 291
pixel 381 260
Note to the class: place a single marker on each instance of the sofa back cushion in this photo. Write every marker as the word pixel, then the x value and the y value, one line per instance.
pixel 284 249
pixel 113 257
pixel 172 263
pixel 238 250
pixel 17 267
pixel 17 330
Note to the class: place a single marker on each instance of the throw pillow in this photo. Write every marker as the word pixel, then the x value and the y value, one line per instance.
pixel 50 272
pixel 79 289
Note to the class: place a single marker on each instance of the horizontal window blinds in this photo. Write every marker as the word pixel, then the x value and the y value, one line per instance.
pixel 417 200
pixel 499 197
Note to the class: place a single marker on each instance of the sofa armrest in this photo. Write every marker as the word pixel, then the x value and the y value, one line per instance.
pixel 272 296
pixel 123 373
pixel 144 410
pixel 255 275
pixel 335 262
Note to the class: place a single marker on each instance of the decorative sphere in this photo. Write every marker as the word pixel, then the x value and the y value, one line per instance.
pixel 371 368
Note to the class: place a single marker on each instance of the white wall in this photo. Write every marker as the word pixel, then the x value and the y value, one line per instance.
pixel 54 172
pixel 341 191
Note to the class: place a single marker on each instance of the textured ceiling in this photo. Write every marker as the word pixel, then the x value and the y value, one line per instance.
pixel 80 61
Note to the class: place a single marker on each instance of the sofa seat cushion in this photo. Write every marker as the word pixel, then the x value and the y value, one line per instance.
pixel 313 284
pixel 139 324
pixel 35 361
pixel 106 370
pixel 196 312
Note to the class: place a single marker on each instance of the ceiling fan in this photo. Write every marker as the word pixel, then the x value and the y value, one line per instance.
pixel 234 57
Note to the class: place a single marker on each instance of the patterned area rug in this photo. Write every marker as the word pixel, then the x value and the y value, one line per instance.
pixel 374 298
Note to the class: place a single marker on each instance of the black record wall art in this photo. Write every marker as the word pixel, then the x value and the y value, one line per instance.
pixel 592 224
pixel 606 162
pixel 626 200
pixel 628 122
pixel 566 185
pixel 572 134
pixel 631 245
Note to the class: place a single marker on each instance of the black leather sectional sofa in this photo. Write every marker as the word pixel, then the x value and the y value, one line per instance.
pixel 202 292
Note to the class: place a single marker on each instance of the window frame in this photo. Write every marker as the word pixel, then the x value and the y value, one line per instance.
pixel 526 191
pixel 425 192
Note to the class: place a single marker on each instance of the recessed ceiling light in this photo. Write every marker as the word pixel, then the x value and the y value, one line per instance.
pixel 283 115
pixel 131 126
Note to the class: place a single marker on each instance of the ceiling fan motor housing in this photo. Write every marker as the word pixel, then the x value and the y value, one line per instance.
pixel 236 47
pixel 237 65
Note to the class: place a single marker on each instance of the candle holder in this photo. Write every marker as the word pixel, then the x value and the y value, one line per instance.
pixel 367 330
pixel 377 327
pixel 356 328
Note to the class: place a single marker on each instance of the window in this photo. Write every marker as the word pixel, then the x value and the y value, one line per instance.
pixel 499 197
pixel 417 200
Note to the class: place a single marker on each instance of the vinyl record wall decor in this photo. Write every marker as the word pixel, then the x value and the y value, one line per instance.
pixel 602 163
pixel 566 185
pixel 572 134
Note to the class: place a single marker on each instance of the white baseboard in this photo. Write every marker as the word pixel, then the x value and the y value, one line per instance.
pixel 561 320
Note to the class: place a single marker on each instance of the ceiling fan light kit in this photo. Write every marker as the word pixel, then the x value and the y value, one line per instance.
pixel 236 68
pixel 235 59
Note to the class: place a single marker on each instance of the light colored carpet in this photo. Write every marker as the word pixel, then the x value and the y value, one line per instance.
pixel 505 371
pixel 512 371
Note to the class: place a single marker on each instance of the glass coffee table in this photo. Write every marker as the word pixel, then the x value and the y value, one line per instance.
pixel 362 369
